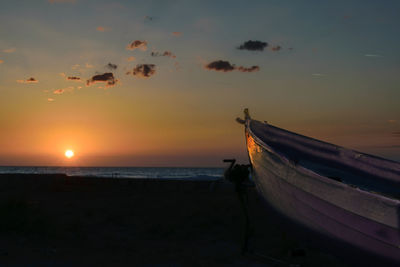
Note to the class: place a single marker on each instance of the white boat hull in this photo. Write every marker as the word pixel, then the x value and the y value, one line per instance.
pixel 362 219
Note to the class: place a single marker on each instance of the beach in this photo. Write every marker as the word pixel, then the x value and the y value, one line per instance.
pixel 57 220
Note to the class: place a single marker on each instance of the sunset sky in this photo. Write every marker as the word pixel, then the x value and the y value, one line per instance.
pixel 160 83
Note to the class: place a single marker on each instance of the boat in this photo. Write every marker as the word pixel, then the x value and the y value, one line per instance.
pixel 340 194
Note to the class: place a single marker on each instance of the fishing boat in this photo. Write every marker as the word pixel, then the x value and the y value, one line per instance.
pixel 342 194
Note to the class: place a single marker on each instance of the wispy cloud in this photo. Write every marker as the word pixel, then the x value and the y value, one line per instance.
pixel 58 91
pixel 89 66
pixel 74 67
pixel 392 121
pixel 253 45
pixel 176 34
pixel 103 29
pixel 276 48
pixel 373 55
pixel 143 70
pixel 111 66
pixel 30 80
pixel 142 45
pixel 129 59
pixel 63 90
pixel 61 1
pixel 50 99
pixel 318 74
pixel 226 66
pixel 164 54
pixel 107 78
pixel 10 50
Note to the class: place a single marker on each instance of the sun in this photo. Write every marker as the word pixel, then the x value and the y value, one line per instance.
pixel 69 153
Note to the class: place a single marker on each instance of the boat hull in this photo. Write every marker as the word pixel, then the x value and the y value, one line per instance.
pixel 339 212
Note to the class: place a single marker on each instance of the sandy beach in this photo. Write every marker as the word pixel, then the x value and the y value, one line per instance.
pixel 55 220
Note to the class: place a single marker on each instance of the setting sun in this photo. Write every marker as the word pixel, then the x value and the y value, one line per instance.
pixel 69 153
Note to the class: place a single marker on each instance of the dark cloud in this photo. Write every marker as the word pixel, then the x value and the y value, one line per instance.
pixel 111 66
pixel 73 78
pixel 220 65
pixel 251 69
pixel 30 80
pixel 148 18
pixel 253 46
pixel 225 66
pixel 165 54
pixel 143 70
pixel 276 48
pixel 107 77
pixel 142 45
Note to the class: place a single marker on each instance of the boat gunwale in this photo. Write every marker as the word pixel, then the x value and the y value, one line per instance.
pixel 315 175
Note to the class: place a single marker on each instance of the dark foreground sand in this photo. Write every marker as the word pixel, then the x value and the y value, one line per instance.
pixel 74 221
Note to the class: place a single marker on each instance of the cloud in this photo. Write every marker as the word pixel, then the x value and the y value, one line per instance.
pixel 253 45
pixel 251 69
pixel 143 70
pixel 87 65
pixel 396 134
pixel 63 90
pixel 61 1
pixel 130 59
pixel 220 65
pixel 276 48
pixel 176 34
pixel 73 78
pixel 58 91
pixel 50 99
pixel 30 80
pixel 226 66
pixel 111 66
pixel 142 45
pixel 148 18
pixel 10 50
pixel 392 121
pixel 1 61
pixel 107 77
pixel 318 74
pixel 372 55
pixel 165 54
pixel 103 29
pixel 74 67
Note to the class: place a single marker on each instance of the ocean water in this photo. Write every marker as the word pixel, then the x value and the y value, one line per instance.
pixel 124 172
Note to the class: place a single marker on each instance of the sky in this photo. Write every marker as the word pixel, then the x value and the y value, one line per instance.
pixel 160 83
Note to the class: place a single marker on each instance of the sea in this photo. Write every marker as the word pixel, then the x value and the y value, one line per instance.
pixel 175 173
